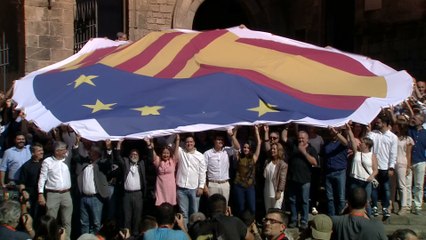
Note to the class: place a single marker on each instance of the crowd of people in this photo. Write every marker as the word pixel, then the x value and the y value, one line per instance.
pixel 184 186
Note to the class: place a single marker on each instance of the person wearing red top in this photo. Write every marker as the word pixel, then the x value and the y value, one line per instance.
pixel 273 225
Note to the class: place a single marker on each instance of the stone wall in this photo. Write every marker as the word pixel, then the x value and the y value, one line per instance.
pixel 49 33
pixel 394 33
pixel 146 16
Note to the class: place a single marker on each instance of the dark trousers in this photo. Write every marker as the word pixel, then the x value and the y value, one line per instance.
pixel 383 191
pixel 132 209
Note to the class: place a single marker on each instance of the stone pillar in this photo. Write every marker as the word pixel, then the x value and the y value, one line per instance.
pixel 146 16
pixel 49 33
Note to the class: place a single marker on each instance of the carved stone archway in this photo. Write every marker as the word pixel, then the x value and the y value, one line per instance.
pixel 184 13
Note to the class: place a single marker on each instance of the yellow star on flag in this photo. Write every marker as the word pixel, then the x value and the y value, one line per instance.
pixel 83 79
pixel 100 106
pixel 263 108
pixel 147 110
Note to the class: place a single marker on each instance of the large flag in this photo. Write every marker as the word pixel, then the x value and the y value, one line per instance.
pixel 180 80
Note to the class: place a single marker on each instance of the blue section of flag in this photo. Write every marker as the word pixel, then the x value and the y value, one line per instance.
pixel 218 98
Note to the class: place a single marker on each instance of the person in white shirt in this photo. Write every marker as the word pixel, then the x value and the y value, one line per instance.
pixel 55 181
pixel 217 160
pixel 385 148
pixel 93 186
pixel 13 159
pixel 190 176
pixel 134 184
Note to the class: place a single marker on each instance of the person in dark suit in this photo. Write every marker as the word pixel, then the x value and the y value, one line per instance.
pixel 134 187
pixel 93 187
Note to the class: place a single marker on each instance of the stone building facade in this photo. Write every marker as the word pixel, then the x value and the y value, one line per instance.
pixel 390 31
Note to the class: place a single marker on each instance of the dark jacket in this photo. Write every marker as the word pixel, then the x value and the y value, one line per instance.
pixel 100 170
pixel 125 164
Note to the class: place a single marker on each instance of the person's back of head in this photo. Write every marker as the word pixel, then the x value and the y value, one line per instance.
pixel 48 228
pixel 404 234
pixel 217 204
pixel 87 236
pixel 10 212
pixel 357 198
pixel 109 229
pixel 148 222
pixel 247 217
pixel 165 214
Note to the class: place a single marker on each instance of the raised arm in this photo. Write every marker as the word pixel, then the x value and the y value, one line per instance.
pixel 177 143
pixel 233 134
pixel 284 134
pixel 352 142
pixel 150 145
pixel 117 151
pixel 266 139
pixel 258 143
pixel 340 137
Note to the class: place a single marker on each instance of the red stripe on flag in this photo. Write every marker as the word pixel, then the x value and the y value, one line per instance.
pixel 97 55
pixel 148 54
pixel 188 51
pixel 93 58
pixel 335 60
pixel 321 100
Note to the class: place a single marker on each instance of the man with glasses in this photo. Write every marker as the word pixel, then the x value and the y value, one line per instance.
pixel 55 181
pixel 273 137
pixel 273 224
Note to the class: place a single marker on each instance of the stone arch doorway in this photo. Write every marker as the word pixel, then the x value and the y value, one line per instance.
pixel 265 15
pixel 248 12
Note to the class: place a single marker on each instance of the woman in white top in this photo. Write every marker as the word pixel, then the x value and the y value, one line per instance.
pixel 364 165
pixel 402 167
pixel 275 173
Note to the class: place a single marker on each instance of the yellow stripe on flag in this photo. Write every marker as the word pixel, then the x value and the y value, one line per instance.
pixel 132 51
pixel 292 70
pixel 76 63
pixel 190 68
pixel 166 55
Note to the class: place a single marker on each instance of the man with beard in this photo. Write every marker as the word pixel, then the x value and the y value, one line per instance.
pixel 385 148
pixel 13 159
pixel 134 187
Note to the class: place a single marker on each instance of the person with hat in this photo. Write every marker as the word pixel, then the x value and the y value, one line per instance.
pixel 321 227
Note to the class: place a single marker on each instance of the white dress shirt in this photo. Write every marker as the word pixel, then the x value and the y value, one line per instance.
pixel 191 171
pixel 54 175
pixel 89 187
pixel 385 148
pixel 133 181
pixel 218 163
